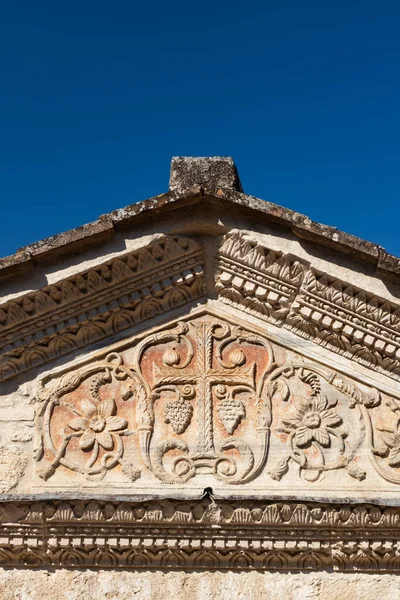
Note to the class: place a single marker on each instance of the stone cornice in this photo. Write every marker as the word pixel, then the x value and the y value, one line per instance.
pixel 169 272
pixel 97 303
pixel 281 289
pixel 204 534
pixel 105 227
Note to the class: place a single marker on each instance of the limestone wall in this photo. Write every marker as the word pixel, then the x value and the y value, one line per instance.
pixel 126 585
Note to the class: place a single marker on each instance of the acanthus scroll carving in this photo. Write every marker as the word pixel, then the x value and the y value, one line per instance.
pixel 319 428
pixel 194 394
pixel 383 434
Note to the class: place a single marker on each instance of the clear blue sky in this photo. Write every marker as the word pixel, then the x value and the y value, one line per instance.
pixel 96 96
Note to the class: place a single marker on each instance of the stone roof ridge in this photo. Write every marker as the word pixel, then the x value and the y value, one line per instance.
pixel 193 179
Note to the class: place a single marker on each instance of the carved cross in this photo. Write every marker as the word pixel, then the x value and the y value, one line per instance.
pixel 204 377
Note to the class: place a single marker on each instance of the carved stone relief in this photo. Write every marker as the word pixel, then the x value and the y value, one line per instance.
pixel 254 277
pixel 349 321
pixel 206 401
pixel 192 394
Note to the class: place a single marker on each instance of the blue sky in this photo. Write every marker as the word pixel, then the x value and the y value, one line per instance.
pixel 97 96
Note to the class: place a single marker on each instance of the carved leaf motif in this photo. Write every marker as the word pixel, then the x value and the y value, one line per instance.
pixel 335 293
pixel 394 457
pixel 279 470
pixel 127 391
pixel 68 383
pixel 97 382
pixel 143 414
pixel 231 412
pixel 354 471
pixel 179 414
pixel 279 390
pixel 388 438
pixel 45 470
pixel 120 271
pixel 312 380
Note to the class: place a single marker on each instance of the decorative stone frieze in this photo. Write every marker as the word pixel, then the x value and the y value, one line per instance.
pixel 258 279
pixel 348 320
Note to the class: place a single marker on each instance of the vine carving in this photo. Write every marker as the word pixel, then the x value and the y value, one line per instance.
pixel 206 397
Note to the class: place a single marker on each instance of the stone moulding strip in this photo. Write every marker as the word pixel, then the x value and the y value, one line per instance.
pixel 200 534
pixel 348 320
pixel 25 259
pixel 92 305
pixel 280 289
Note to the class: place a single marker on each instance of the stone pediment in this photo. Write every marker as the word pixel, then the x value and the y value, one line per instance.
pixel 212 349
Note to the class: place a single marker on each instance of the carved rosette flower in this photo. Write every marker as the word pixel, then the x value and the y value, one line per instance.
pixel 311 421
pixel 97 424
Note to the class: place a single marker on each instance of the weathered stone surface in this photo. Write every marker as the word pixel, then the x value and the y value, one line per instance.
pixel 13 463
pixel 331 236
pixel 193 181
pixel 388 265
pixel 16 264
pixel 73 585
pixel 210 173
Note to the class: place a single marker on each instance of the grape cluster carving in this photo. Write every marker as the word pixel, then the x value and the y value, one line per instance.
pixel 231 412
pixel 178 413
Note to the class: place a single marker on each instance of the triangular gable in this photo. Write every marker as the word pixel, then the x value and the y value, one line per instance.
pixel 211 348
